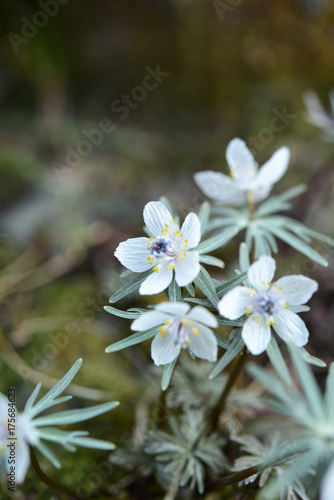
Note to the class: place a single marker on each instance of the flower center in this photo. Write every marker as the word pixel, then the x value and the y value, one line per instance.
pixel 179 331
pixel 163 248
pixel 267 305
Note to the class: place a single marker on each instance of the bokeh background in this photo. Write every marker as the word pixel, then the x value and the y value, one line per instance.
pixel 222 69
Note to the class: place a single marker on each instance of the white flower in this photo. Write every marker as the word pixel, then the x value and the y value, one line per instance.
pixel 245 176
pixel 24 433
pixel 180 328
pixel 267 305
pixel 327 485
pixel 166 250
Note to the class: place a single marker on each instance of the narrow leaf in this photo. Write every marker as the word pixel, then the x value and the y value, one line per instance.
pixel 218 240
pixel 212 261
pixel 174 291
pixel 228 285
pixel 56 390
pixel 121 314
pixel 167 374
pixel 136 338
pixel 298 245
pixel 130 287
pixel 203 215
pixel 277 361
pixel 234 349
pixel 74 416
pixel 204 282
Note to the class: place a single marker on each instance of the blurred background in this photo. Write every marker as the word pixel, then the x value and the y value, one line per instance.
pixel 106 106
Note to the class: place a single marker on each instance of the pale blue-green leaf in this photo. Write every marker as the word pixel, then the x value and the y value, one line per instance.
pixel 308 383
pixel 56 390
pixel 204 282
pixel 289 224
pixel 298 245
pixel 212 261
pixel 46 451
pixel 220 222
pixel 32 398
pixel 261 247
pixel 297 470
pixel 174 291
pixel 278 203
pixel 121 314
pixel 191 290
pixel 200 302
pixel 270 239
pixel 192 355
pixel 329 394
pixel 97 444
pixel 249 238
pixel 299 309
pixel 74 416
pixel 278 361
pixel 218 240
pixel 167 374
pixel 130 287
pixel 312 360
pixel 126 272
pixel 234 349
pixel 59 436
pixel 228 322
pixel 244 257
pixel 221 342
pixel 228 285
pixel 203 215
pixel 136 338
pixel 167 204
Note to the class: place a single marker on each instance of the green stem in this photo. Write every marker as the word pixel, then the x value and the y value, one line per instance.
pixel 48 481
pixel 251 204
pixel 234 374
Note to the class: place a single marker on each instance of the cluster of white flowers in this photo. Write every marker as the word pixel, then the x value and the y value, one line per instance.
pixel 171 251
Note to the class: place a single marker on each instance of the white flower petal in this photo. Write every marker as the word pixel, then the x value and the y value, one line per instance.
pixel 173 308
pixel 295 289
pixel 327 485
pixel 290 327
pixel 240 159
pixel 191 230
pixel 273 169
pixel 261 273
pixel 133 254
pixel 203 316
pixel 186 269
pixel 204 345
pixel 219 187
pixel 237 302
pixel 22 460
pixel 164 350
pixel 156 216
pixel 149 320
pixel 256 334
pixel 157 281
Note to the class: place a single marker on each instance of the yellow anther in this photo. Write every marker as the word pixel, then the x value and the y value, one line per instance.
pixel 196 332
pixel 166 225
pixel 280 288
pixel 231 174
pixel 273 323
